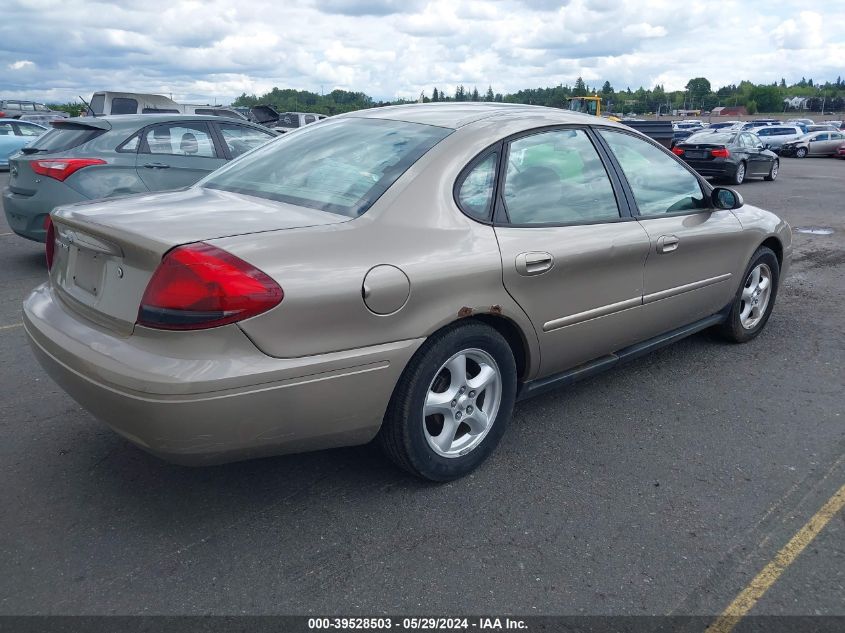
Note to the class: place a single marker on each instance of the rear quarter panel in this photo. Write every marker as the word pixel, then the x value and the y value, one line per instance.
pixel 453 265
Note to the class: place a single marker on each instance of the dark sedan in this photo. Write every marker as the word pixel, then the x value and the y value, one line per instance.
pixel 732 156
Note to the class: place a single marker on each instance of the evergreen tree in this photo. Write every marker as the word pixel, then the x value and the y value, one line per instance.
pixel 489 96
pixel 580 88
pixel 475 96
pixel 435 96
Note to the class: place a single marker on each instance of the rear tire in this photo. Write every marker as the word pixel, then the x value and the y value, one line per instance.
pixel 452 403
pixel 754 299
pixel 739 176
pixel 773 172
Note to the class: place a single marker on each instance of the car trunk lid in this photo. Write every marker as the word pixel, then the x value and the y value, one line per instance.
pixel 107 251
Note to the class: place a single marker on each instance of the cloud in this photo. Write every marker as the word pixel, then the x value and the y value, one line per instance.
pixel 216 49
pixel 21 64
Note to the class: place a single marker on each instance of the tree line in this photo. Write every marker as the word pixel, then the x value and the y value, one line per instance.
pixel 697 95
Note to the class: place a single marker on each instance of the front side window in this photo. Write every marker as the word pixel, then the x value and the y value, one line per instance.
pixel 121 105
pixel 475 192
pixel 659 183
pixel 240 139
pixel 341 166
pixel 309 118
pixel 180 139
pixel 557 177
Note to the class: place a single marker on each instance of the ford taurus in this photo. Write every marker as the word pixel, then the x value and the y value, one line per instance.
pixel 403 274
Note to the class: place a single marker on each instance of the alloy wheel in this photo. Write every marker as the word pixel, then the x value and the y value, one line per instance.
pixel 755 296
pixel 462 402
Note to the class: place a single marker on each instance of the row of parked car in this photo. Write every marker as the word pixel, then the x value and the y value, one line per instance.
pixel 795 137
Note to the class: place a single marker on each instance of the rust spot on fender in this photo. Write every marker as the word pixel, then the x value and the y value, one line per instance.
pixel 495 309
pixel 464 312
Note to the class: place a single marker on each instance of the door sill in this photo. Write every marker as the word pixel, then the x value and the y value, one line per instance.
pixel 603 363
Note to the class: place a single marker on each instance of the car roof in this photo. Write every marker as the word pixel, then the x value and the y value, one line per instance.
pixel 456 115
pixel 24 122
pixel 125 121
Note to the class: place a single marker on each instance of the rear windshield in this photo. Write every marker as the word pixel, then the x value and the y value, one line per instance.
pixel 97 103
pixel 711 138
pixel 60 139
pixel 340 166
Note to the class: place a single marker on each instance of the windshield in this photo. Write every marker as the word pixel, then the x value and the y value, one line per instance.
pixel 341 166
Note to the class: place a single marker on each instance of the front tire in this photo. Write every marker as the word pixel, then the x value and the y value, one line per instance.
pixel 773 172
pixel 754 299
pixel 801 152
pixel 452 403
pixel 739 176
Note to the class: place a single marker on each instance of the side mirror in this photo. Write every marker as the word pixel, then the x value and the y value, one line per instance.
pixel 724 198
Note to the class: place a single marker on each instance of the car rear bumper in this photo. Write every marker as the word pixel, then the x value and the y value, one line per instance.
pixel 211 396
pixel 26 213
pixel 713 168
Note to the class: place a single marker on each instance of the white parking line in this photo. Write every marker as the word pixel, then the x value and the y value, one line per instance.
pixel 11 327
pixel 2 234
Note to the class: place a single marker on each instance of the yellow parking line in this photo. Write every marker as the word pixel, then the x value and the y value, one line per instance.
pixel 763 581
pixel 11 327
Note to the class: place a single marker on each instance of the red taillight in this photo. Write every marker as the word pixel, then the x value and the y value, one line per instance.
pixel 2 115
pixel 199 286
pixel 677 151
pixel 720 153
pixel 61 168
pixel 49 241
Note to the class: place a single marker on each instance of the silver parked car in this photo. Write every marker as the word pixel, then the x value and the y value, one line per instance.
pixel 100 157
pixel 402 273
pixel 15 108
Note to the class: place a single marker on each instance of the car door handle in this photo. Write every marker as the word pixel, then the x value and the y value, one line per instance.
pixel 534 263
pixel 156 166
pixel 667 243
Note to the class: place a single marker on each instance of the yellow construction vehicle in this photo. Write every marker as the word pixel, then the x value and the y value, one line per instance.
pixel 587 105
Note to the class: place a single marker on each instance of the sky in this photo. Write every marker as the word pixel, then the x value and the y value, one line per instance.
pixel 212 51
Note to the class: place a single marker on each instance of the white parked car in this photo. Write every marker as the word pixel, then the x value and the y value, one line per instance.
pixel 774 136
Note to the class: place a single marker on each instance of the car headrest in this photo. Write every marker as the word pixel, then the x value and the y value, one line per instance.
pixel 189 143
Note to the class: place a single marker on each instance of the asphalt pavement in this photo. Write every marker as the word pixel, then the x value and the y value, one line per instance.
pixel 661 487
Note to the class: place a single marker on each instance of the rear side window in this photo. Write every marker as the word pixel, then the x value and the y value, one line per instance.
pixel 340 166
pixel 659 183
pixel 159 111
pixel 557 177
pixel 66 137
pixel 289 119
pixel 475 189
pixel 309 118
pixel 179 139
pixel 239 139
pixel 122 105
pixel 6 129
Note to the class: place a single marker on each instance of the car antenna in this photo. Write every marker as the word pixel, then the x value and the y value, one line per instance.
pixel 89 108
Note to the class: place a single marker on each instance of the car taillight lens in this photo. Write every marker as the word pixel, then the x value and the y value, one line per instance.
pixel 720 153
pixel 2 114
pixel 200 286
pixel 61 168
pixel 49 241
pixel 678 151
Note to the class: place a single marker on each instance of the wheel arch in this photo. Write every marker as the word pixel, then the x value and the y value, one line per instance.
pixel 775 245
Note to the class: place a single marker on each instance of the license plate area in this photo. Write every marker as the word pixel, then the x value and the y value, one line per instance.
pixel 88 271
pixel 695 153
